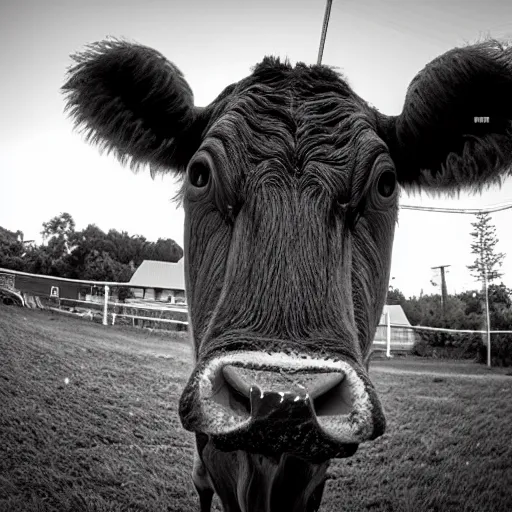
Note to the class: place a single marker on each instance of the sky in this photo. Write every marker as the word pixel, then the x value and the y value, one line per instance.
pixel 46 168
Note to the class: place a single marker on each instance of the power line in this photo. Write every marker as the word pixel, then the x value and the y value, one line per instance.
pixel 468 211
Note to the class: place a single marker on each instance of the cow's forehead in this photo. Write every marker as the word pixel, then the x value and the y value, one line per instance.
pixel 302 120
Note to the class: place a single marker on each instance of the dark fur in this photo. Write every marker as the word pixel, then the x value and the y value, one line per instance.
pixel 435 142
pixel 132 101
pixel 288 248
pixel 247 481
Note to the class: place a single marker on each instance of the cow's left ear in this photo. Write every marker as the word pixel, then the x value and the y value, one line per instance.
pixel 455 130
pixel 133 102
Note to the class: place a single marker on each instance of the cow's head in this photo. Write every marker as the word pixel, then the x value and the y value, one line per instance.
pixel 290 188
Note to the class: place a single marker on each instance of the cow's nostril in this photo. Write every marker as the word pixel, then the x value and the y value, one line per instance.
pixel 231 395
pixel 328 392
pixel 236 381
pixel 336 401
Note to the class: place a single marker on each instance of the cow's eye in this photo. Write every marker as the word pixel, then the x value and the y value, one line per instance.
pixel 199 174
pixel 386 184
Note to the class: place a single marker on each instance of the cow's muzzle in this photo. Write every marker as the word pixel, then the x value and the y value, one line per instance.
pixel 276 403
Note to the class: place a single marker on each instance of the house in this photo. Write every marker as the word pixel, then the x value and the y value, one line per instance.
pixel 402 335
pixel 396 314
pixel 160 281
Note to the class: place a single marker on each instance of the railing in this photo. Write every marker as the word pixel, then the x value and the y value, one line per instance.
pixel 389 336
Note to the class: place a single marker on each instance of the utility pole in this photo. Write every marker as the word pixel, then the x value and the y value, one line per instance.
pixel 487 317
pixel 484 263
pixel 327 15
pixel 444 292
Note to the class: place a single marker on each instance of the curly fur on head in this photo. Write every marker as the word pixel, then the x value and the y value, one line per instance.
pixel 130 100
pixel 437 142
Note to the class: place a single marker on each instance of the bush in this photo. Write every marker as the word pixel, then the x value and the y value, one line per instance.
pixel 124 293
pixel 501 344
pixel 449 345
pixel 422 348
pixel 501 350
pixel 465 311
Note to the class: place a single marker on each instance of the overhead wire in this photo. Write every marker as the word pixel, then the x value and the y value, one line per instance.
pixel 468 211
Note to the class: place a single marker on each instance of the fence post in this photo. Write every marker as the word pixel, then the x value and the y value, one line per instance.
pixel 105 306
pixel 487 317
pixel 388 335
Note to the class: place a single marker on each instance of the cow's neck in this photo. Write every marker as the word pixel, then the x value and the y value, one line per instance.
pixel 247 482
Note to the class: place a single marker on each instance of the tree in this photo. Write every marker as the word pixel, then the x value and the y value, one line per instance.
pixel 483 246
pixel 87 254
pixel 165 249
pixel 11 249
pixel 11 254
pixel 100 266
pixel 395 297
pixel 58 233
pixel 61 225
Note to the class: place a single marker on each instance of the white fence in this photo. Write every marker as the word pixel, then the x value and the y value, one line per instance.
pixel 59 294
pixel 158 315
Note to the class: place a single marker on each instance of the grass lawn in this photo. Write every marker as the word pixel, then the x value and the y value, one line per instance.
pixel 88 421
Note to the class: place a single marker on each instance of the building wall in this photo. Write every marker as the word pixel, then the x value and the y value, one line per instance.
pixel 160 295
pixel 164 295
pixel 138 293
pixel 39 286
pixel 149 293
pixel 402 338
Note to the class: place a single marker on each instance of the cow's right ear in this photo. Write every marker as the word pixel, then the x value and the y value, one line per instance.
pixel 131 101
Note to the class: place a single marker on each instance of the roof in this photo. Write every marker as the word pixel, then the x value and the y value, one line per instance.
pixel 397 315
pixel 160 274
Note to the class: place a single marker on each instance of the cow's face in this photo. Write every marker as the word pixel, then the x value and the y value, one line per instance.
pixel 290 192
pixel 291 203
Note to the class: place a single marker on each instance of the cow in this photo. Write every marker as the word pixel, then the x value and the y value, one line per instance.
pixel 290 186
